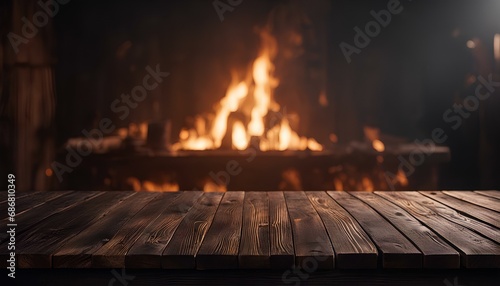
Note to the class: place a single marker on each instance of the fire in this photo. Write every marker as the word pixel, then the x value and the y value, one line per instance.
pixel 229 104
pixel 150 186
pixel 252 100
pixel 239 136
pixel 211 187
pixel 285 136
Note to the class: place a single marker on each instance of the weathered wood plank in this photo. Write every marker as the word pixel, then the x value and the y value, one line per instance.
pixel 219 249
pixel 280 232
pixel 464 207
pixel 483 201
pixel 147 250
pixel 475 250
pixel 36 214
pixel 28 201
pixel 112 254
pixel 311 241
pixel 19 195
pixel 396 251
pixel 493 193
pixel 452 215
pixel 77 252
pixel 437 253
pixel 353 247
pixel 36 246
pixel 180 252
pixel 254 246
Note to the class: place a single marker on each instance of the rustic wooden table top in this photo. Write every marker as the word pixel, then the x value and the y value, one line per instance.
pixel 256 230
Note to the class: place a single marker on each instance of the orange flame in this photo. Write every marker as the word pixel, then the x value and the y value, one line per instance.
pixel 279 137
pixel 150 186
pixel 240 141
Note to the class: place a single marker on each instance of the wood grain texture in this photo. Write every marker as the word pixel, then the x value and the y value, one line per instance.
pixel 475 250
pixel 296 232
pixel 311 241
pixel 36 245
pixel 147 250
pixel 112 254
pixel 19 195
pixel 77 252
pixel 180 252
pixel 353 247
pixel 219 249
pixel 28 201
pixel 450 214
pixel 493 193
pixel 396 251
pixel 483 201
pixel 254 246
pixel 437 253
pixel 280 232
pixel 465 208
pixel 36 214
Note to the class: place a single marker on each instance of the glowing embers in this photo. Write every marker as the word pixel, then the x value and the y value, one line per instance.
pixel 151 186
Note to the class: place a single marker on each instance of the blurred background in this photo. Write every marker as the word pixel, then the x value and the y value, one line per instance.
pixel 413 76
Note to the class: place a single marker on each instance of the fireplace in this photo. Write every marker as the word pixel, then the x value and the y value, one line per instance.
pixel 254 103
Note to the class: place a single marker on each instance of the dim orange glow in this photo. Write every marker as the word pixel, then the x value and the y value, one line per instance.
pixel 338 184
pixel 123 133
pixel 48 172
pixel 367 184
pixel 401 177
pixel 211 187
pixel 323 100
pixel 380 159
pixel 333 137
pixel 150 186
pixel 378 145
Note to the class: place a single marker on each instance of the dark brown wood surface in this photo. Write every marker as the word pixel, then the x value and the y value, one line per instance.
pixel 26 202
pixel 311 241
pixel 437 253
pixel 147 250
pixel 280 232
pixel 39 212
pixel 396 250
pixel 180 252
pixel 476 251
pixel 18 195
pixel 492 193
pixel 35 246
pixel 112 254
pixel 296 232
pixel 77 252
pixel 220 247
pixel 453 216
pixel 254 246
pixel 466 208
pixel 483 201
pixel 353 247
